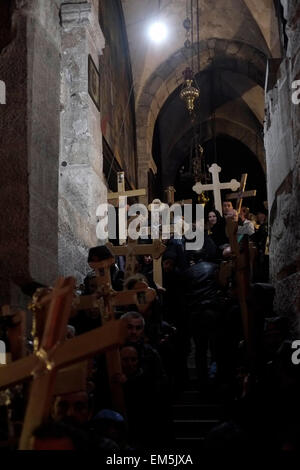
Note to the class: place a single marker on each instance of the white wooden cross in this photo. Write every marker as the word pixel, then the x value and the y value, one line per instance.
pixel 216 186
pixel 241 193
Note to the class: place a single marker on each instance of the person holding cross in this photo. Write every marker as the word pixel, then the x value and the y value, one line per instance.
pixel 245 227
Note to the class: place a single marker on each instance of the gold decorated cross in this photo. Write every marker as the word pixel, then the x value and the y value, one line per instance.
pixel 53 354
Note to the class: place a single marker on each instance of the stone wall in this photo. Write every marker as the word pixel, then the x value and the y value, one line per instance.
pixel 117 97
pixel 50 143
pixel 282 142
pixel 81 186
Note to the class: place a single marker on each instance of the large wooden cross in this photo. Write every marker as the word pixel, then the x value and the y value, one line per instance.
pixel 119 199
pixel 216 186
pixel 133 249
pixel 170 196
pixel 241 194
pixel 241 262
pixel 53 354
pixel 122 191
pixel 106 299
pixel 101 259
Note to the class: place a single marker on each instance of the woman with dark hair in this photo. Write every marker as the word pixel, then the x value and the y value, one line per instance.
pixel 216 228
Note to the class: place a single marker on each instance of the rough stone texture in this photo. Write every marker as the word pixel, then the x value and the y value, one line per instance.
pixel 29 148
pixel 282 131
pixel 48 210
pixel 81 186
pixel 250 22
pixel 117 92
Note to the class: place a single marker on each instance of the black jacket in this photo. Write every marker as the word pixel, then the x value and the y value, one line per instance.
pixel 200 284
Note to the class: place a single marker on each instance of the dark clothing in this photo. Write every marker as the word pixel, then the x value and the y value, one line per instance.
pixel 152 365
pixel 218 233
pixel 147 271
pixel 208 252
pixel 201 301
pixel 140 398
pixel 200 284
pixel 260 238
pixel 84 321
pixel 261 267
pixel 176 251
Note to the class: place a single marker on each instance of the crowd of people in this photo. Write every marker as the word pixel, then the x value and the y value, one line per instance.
pixel 193 314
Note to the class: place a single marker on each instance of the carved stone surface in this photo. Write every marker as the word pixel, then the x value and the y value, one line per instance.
pixel 29 65
pixel 282 131
pixel 81 186
pixel 51 145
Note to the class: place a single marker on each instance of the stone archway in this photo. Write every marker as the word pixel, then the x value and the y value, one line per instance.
pixel 224 54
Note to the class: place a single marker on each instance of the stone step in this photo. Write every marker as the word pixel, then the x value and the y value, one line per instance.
pixel 193 397
pixel 187 428
pixel 189 444
pixel 191 411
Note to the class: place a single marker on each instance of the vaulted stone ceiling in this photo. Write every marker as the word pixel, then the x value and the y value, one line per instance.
pixel 236 38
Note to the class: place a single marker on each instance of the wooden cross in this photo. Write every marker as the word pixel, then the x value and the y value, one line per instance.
pixel 158 207
pixel 242 275
pixel 53 354
pixel 101 259
pixel 133 249
pixel 170 191
pixel 121 189
pixel 105 299
pixel 170 196
pixel 121 196
pixel 241 194
pixel 216 186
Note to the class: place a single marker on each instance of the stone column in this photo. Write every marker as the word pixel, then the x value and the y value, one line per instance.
pixel 29 148
pixel 282 142
pixel 81 185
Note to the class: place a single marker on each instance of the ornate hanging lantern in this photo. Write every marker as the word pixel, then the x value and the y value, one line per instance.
pixel 189 93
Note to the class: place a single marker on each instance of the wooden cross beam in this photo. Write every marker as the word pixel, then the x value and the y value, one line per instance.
pixel 170 196
pixel 242 275
pixel 110 297
pixel 120 199
pixel 72 351
pixel 43 383
pixel 216 186
pixel 121 189
pixel 159 207
pixel 241 194
pixel 133 249
pixel 101 259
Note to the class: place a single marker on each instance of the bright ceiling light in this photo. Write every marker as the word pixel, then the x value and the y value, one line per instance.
pixel 158 32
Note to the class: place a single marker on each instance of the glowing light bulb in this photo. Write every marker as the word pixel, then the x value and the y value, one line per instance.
pixel 158 32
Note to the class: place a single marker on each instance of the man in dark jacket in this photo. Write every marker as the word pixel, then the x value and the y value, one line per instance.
pixel 201 292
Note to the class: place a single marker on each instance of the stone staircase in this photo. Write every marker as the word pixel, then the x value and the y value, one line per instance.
pixel 193 417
